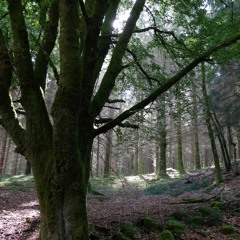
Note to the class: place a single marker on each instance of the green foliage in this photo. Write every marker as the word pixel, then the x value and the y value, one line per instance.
pixel 112 179
pixel 175 226
pixel 211 215
pixel 196 221
pixel 228 229
pixel 19 182
pixel 179 215
pixel 166 235
pixel 217 204
pixel 130 230
pixel 150 224
pixel 157 189
pixel 177 187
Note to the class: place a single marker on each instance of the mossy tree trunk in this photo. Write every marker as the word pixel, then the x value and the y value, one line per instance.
pixel 162 140
pixel 59 147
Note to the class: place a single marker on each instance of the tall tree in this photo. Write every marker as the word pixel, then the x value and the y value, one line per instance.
pixel 196 149
pixel 180 164
pixel 207 105
pixel 161 150
pixel 59 147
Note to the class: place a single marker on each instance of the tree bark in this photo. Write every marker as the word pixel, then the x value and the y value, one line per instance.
pixel 218 173
pixel 180 165
pixel 195 127
pixel 161 126
pixel 3 149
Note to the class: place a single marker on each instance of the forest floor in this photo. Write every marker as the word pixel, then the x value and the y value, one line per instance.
pixel 201 208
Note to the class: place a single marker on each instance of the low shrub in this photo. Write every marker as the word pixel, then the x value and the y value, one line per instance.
pixel 130 230
pixel 166 235
pixel 228 229
pixel 175 226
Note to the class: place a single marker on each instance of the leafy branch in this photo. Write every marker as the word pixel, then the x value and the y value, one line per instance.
pixel 167 85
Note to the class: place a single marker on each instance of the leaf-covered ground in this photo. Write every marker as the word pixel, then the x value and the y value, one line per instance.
pixel 141 197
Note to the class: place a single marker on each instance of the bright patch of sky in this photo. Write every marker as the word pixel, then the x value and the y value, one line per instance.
pixel 120 21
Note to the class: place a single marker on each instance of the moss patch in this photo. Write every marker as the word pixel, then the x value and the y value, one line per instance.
pixel 211 215
pixel 150 224
pixel 130 230
pixel 179 215
pixel 166 235
pixel 175 226
pixel 228 229
pixel 217 204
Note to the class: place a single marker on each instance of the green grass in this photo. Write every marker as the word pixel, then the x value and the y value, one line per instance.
pixel 18 182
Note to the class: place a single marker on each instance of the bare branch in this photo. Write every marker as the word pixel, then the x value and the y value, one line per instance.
pixel 149 78
pixel 115 101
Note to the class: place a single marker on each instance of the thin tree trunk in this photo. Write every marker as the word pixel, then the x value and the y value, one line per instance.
pixel 136 154
pixel 98 155
pixel 195 128
pixel 222 141
pixel 108 154
pixel 218 173
pixel 180 165
pixel 238 141
pixel 6 156
pixel 3 150
pixel 162 160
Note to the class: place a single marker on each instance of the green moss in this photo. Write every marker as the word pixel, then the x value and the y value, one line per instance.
pixel 166 235
pixel 196 220
pixel 179 215
pixel 150 224
pixel 176 226
pixel 228 229
pixel 119 236
pixel 211 215
pixel 217 204
pixel 18 182
pixel 130 230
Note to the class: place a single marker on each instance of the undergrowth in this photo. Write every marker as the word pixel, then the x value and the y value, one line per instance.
pixel 177 187
pixel 18 182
